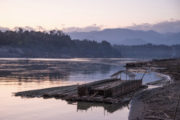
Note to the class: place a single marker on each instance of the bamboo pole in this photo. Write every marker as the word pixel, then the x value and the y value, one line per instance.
pixel 126 73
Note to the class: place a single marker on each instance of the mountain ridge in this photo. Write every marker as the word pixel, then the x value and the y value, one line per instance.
pixel 118 35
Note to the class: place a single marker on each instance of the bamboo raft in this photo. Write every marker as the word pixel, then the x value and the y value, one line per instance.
pixel 105 91
pixel 109 87
pixel 113 90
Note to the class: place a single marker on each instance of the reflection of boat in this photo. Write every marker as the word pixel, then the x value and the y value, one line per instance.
pixel 108 107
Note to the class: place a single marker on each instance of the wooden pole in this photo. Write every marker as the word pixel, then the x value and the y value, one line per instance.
pixel 143 75
pixel 126 73
pixel 120 76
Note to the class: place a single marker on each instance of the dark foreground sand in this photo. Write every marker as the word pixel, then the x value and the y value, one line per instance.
pixel 159 103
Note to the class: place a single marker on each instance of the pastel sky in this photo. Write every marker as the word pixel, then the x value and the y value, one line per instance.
pixel 80 13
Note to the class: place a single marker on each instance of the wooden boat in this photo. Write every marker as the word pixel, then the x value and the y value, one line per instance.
pixel 113 90
pixel 109 87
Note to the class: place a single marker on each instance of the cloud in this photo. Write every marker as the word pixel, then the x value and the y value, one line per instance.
pixel 172 26
pixel 3 29
pixel 162 27
pixel 83 29
pixel 25 28
pixel 68 29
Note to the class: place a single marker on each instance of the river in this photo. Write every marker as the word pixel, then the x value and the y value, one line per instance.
pixel 20 74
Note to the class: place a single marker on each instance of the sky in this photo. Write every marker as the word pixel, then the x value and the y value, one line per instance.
pixel 60 14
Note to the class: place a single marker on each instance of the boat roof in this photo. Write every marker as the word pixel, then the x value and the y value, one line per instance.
pixel 129 73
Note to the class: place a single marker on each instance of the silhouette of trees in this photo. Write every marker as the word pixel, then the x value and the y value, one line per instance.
pixel 54 44
pixel 23 43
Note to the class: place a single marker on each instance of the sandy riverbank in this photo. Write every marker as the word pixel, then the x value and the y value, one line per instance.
pixel 158 103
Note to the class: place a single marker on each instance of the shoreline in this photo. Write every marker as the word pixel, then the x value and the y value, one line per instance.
pixel 165 80
pixel 158 103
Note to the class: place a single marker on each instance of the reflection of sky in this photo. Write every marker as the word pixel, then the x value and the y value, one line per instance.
pixel 38 70
pixel 16 108
pixel 99 75
pixel 76 70
pixel 149 77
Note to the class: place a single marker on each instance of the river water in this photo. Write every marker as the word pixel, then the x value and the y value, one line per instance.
pixel 26 74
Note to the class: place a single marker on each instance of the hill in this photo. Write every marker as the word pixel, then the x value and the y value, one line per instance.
pixel 129 37
pixel 51 44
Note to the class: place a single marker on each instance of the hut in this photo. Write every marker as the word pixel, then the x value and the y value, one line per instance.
pixel 112 87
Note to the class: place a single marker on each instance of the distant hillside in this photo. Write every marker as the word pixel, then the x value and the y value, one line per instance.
pixel 129 37
pixel 149 51
pixel 56 44
pixel 172 26
pixel 53 44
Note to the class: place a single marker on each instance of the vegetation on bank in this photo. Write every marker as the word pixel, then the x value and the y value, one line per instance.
pixel 22 43
pixel 51 44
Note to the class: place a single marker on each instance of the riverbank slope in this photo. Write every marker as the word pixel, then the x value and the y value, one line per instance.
pixel 159 103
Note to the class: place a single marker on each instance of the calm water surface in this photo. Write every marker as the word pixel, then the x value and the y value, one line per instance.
pixel 26 74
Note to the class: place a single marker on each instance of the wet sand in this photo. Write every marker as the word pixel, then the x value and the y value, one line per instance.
pixel 158 103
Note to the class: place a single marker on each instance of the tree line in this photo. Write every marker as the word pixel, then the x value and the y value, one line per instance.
pixel 52 44
pixel 56 44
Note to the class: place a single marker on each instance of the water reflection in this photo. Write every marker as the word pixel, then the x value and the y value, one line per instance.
pixel 110 108
pixel 31 70
pixel 27 74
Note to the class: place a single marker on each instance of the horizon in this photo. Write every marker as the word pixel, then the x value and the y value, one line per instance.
pixel 161 27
